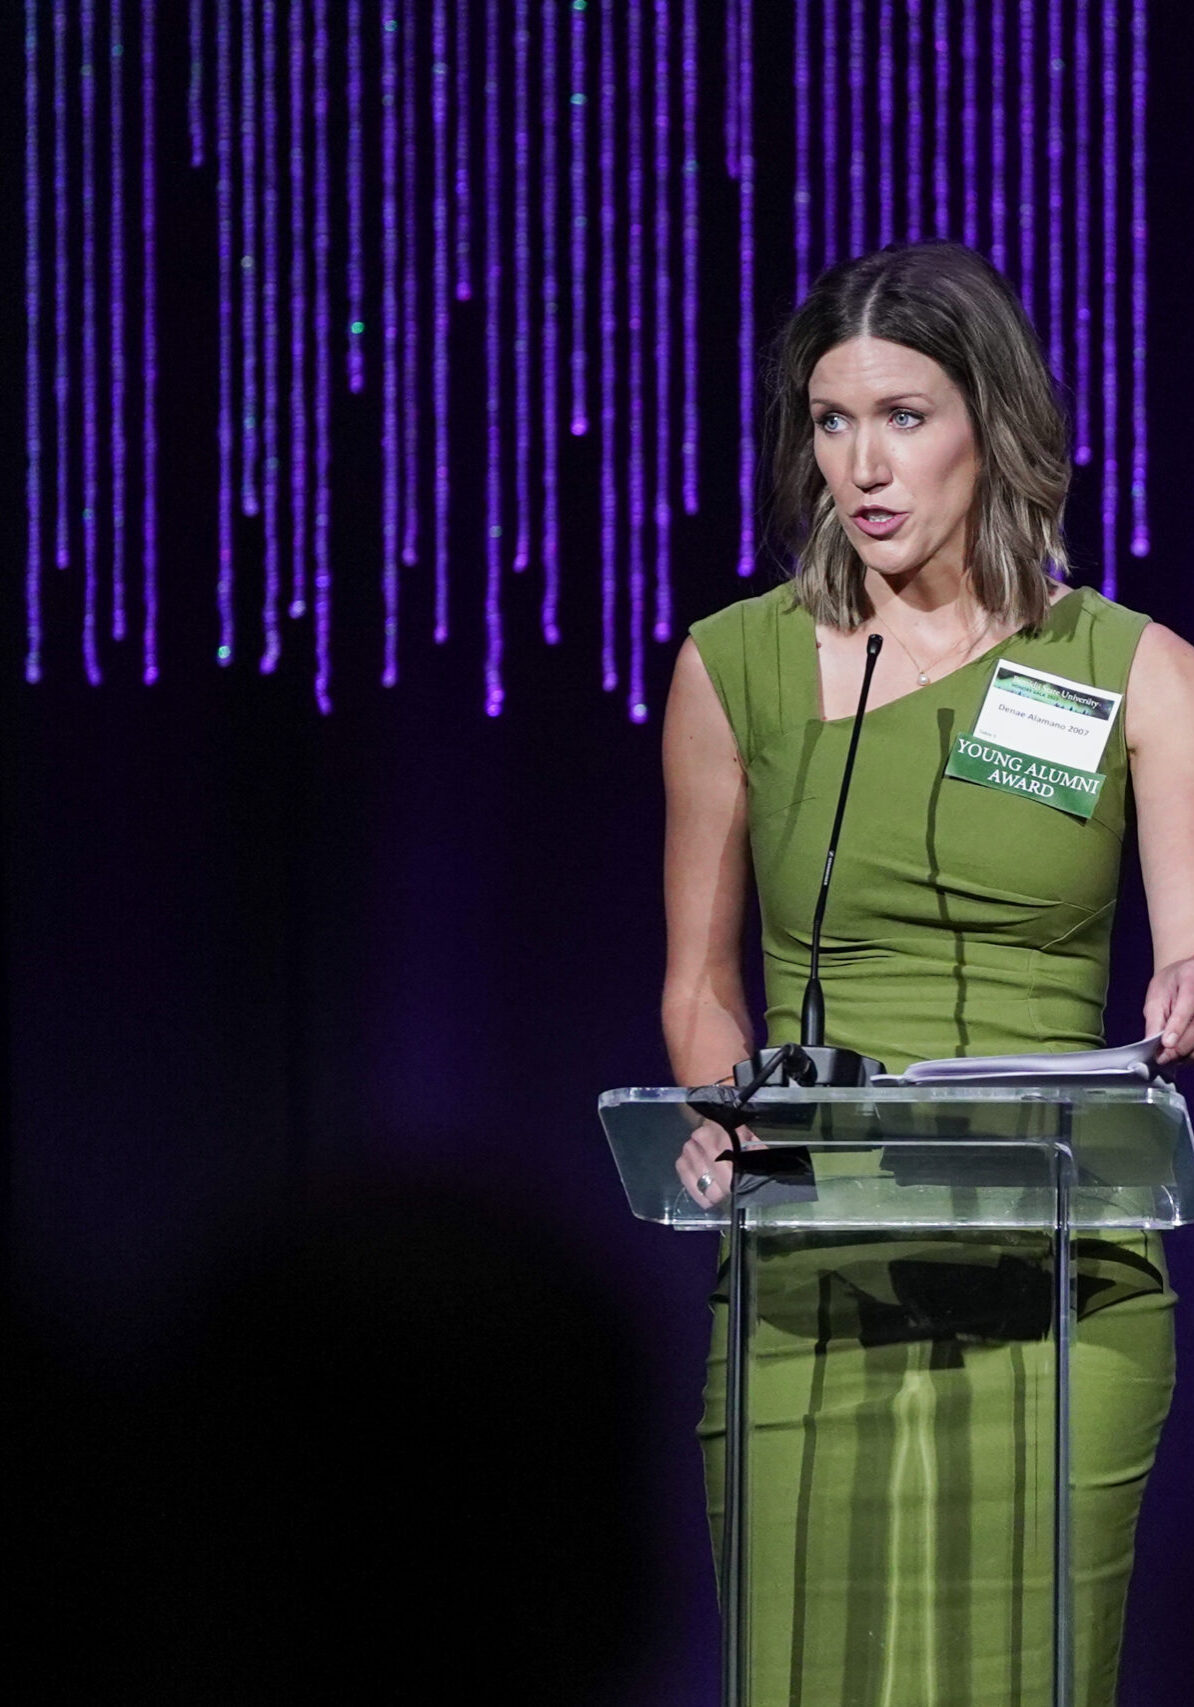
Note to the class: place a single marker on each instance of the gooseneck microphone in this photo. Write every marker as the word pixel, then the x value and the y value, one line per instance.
pixel 812 1013
pixel 808 1062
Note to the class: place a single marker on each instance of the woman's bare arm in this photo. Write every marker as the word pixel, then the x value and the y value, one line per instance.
pixel 1159 723
pixel 706 871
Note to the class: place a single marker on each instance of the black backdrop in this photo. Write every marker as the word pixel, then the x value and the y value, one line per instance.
pixel 333 1345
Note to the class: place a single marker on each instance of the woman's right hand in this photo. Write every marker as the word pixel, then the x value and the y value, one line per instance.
pixel 704 1178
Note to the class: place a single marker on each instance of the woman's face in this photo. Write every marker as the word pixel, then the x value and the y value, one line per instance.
pixel 893 439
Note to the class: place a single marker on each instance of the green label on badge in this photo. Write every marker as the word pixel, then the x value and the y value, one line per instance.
pixel 975 760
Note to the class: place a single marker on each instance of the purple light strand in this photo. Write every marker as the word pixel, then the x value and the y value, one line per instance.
pixel 464 188
pixel 116 269
pixel 999 134
pixel 802 199
pixel 829 81
pixel 225 429
pixel 970 125
pixel 441 308
pixel 269 306
pixel 195 83
pixel 90 375
pixel 33 545
pixel 607 162
pixel 856 62
pixel 355 194
pixel 733 90
pixel 494 692
pixel 149 340
pixel 410 294
pixel 578 179
pixel 746 294
pixel 915 122
pixel 690 444
pixel 390 443
pixel 663 328
pixel 636 481
pixel 549 543
pixel 1110 316
pixel 1082 236
pixel 298 315
pixel 886 126
pixel 941 119
pixel 1027 156
pixel 322 242
pixel 61 293
pixel 1140 530
pixel 250 445
pixel 1056 140
pixel 522 291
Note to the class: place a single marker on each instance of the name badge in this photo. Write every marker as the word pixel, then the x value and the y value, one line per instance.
pixel 1038 735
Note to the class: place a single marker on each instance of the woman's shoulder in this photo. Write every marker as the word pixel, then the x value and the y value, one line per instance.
pixel 1093 633
pixel 1095 608
pixel 750 650
pixel 747 620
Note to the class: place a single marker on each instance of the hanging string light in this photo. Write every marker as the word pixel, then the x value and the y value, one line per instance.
pixel 62 297
pixel 690 442
pixel 1110 117
pixel 661 79
pixel 1082 234
pixel 225 431
pixel 549 545
pixel 441 294
pixel 391 448
pixel 149 339
pixel 607 176
pixel 578 178
pixel 33 369
pixel 195 82
pixel 299 517
pixel 249 316
pixel 269 311
pixel 118 375
pixel 354 352
pixel 90 362
pixel 1140 531
pixel 494 689
pixel 464 180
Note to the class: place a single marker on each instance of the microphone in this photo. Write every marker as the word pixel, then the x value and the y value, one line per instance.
pixel 809 1062
pixel 812 1014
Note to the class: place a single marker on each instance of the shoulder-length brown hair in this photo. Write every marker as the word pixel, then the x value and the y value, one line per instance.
pixel 949 303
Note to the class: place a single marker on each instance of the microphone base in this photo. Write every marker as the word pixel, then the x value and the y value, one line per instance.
pixel 810 1064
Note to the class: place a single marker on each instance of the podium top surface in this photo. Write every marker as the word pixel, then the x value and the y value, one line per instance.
pixel 927 1157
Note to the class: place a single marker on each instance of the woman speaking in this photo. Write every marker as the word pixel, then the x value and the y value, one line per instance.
pixel 920 473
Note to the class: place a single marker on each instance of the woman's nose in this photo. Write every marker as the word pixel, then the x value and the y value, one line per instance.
pixel 868 463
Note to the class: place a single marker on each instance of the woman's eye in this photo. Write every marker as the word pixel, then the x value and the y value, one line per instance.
pixel 828 421
pixel 906 417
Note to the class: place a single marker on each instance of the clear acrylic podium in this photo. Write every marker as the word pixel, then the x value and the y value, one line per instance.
pixel 1053 1157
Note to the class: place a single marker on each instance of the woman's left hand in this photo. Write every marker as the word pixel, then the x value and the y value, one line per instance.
pixel 1169 1009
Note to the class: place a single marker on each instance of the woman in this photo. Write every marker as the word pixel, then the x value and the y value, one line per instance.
pixel 920 475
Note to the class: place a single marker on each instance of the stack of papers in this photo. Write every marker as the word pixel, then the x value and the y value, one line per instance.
pixel 1131 1061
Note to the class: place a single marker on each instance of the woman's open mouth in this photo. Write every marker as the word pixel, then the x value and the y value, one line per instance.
pixel 879 523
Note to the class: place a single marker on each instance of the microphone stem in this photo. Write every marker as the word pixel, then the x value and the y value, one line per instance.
pixel 813 1012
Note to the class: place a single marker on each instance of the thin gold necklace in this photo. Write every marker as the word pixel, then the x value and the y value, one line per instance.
pixel 922 670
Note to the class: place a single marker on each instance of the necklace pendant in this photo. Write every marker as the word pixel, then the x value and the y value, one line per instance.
pixel 922 679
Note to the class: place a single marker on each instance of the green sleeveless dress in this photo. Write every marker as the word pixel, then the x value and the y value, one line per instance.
pixel 961 921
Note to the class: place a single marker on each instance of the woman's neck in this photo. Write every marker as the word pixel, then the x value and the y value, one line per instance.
pixel 935 597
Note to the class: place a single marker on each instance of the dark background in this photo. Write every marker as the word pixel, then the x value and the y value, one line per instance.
pixel 333 1348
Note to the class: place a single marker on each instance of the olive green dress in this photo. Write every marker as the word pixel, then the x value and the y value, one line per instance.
pixel 900 1391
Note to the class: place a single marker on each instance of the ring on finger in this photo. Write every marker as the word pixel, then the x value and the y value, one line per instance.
pixel 703 1184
